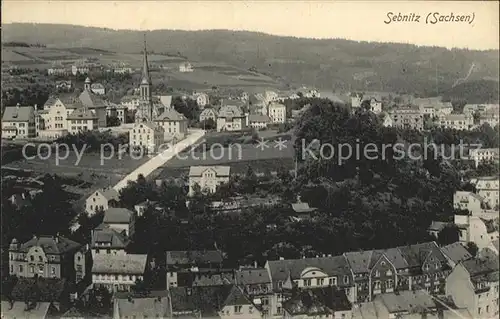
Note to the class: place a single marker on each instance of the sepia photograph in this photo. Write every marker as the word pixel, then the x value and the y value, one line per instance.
pixel 236 159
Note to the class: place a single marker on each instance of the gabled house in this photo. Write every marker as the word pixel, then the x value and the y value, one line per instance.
pixel 18 122
pixel 258 121
pixel 230 118
pixel 328 302
pixel 195 260
pixel 256 284
pixel 198 302
pixel 155 304
pixel 120 219
pixel 207 178
pixel 174 124
pixel 103 199
pixel 238 305
pixel 106 240
pixel 147 136
pixel 118 272
pixel 455 253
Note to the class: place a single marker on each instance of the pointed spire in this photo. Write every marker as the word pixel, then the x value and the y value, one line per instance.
pixel 145 68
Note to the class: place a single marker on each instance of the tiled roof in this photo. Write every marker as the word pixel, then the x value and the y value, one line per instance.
pixel 17 310
pixel 119 264
pixel 438 226
pixel 333 266
pixel 171 115
pixel 166 100
pixel 393 254
pixel 359 261
pixel 109 193
pixel 18 114
pixel 105 234
pixel 203 279
pixel 258 118
pixel 193 257
pixel 82 113
pixel 208 112
pixel 51 245
pixel 91 100
pixel 230 111
pixel 237 298
pixel 149 125
pixel 97 86
pixel 456 252
pixel 415 255
pixel 252 276
pixel 302 208
pixel 50 101
pixel 481 266
pixel 318 301
pixel 70 101
pixel 208 300
pixel 115 215
pixel 407 301
pixel 219 170
pixel 151 306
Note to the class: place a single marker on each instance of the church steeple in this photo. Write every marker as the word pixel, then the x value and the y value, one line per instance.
pixel 146 79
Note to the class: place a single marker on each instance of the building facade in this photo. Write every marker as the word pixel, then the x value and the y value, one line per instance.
pixel 146 136
pixel 101 199
pixel 173 123
pixel 277 112
pixel 408 118
pixel 230 118
pixel 207 178
pixel 18 122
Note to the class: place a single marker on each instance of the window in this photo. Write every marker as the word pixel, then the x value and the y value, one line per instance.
pixel 40 258
pixel 237 309
pixel 116 277
pixel 390 283
pixel 307 282
pixel 32 258
pixel 346 279
pixel 321 282
pixel 389 273
pixel 377 273
pixel 11 268
pixel 487 308
pixel 53 270
pixel 479 310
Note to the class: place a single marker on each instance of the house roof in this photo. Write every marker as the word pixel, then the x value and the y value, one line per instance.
pixel 199 170
pixel 274 105
pixel 252 276
pixel 362 262
pixel 82 113
pixel 91 100
pixel 109 193
pixel 51 245
pixel 129 98
pixel 193 257
pixel 259 118
pixel 17 310
pixel 150 125
pixel 208 110
pixel 171 115
pixel 115 215
pixel 202 279
pixel 230 111
pixel 132 264
pixel 166 100
pixel 333 266
pixel 415 255
pixel 302 208
pixel 18 114
pixel 438 226
pixel 97 86
pixel 237 297
pixel 407 301
pixel 143 306
pixel 208 300
pixel 318 301
pixel 105 234
pixel 478 267
pixel 70 101
pixel 491 225
pixel 456 252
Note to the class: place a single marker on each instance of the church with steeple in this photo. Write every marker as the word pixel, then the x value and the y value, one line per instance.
pixel 146 111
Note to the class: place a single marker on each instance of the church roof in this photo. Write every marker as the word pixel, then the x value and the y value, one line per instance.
pixel 146 79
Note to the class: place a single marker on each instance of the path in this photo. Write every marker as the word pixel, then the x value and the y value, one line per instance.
pixel 160 159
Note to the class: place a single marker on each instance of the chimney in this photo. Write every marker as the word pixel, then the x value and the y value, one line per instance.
pixel 56 238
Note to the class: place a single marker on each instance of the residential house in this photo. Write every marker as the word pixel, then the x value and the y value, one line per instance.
pixel 80 69
pixel 122 70
pixel 44 256
pixel 131 102
pixel 455 253
pixel 185 67
pixel 107 240
pixel 309 93
pixel 308 273
pixel 208 113
pixel 207 178
pixel 436 227
pixel 375 105
pixel 194 260
pixel 488 188
pixel 256 284
pixel 475 229
pixel 257 103
pixel 230 118
pixel 484 155
pixel 82 120
pixel 198 302
pixel 473 284
pixel 258 121
pixel 387 120
pixel 120 219
pixel 18 122
pixel 202 99
pixel 469 201
pixel 154 304
pixel 117 110
pixel 53 119
pixel 277 112
pixel 404 305
pixel 328 302
pixel 64 85
pixel 103 199
pixel 457 121
pixel 58 71
pixel 173 123
pixel 118 272
pixel 147 136
pixel 238 305
pixel 356 100
pixel 408 118
pixel 95 103
pixel 98 88
pixel 490 117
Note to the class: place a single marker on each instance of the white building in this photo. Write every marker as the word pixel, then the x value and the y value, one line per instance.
pixel 387 120
pixel 118 272
pixel 258 121
pixel 356 100
pixel 375 105
pixel 98 88
pixel 185 67
pixel 173 123
pixel 101 199
pixel 147 136
pixel 484 155
pixel 117 110
pixel 277 112
pixel 487 188
pixel 207 178
pixel 82 120
pixel 477 230
pixel 230 118
pixel 457 122
pixel 467 201
pixel 202 99
pixel 131 102
pixel 490 117
pixel 208 113
pixel 18 122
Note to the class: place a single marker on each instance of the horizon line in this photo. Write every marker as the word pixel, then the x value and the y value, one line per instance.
pixel 250 31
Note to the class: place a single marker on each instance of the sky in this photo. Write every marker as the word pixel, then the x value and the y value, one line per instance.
pixel 353 20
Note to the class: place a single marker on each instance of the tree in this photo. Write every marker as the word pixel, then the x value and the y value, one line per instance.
pixel 472 248
pixel 112 121
pixel 448 235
